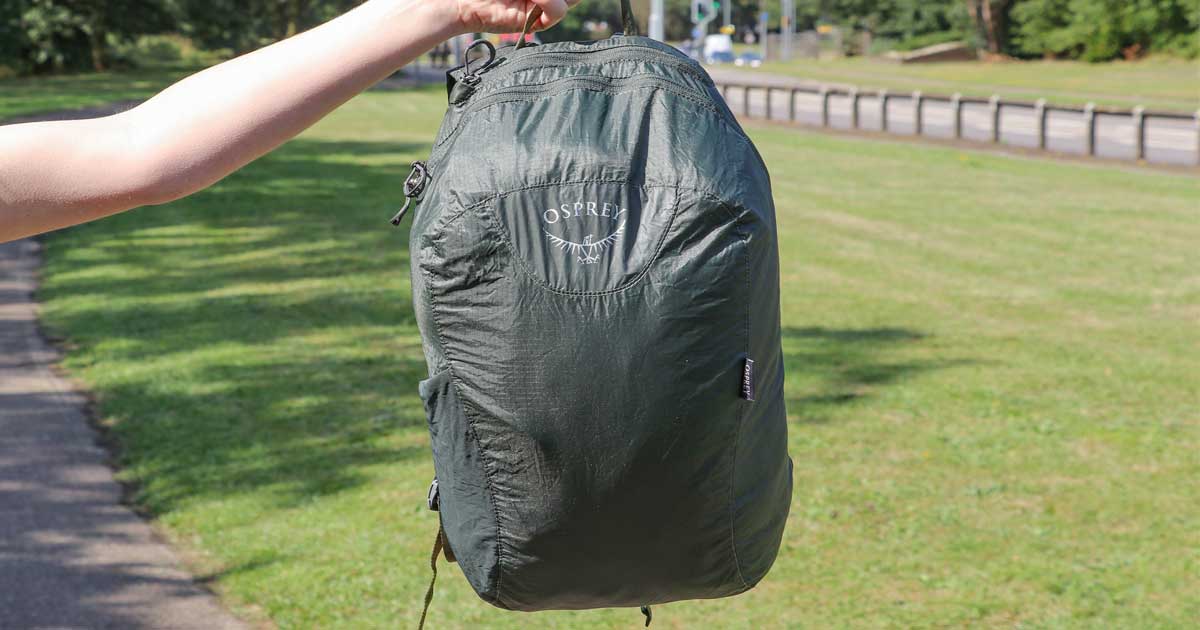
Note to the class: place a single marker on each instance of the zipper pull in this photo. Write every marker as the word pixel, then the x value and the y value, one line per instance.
pixel 462 87
pixel 414 187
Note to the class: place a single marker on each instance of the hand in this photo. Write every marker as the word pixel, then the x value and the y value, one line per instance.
pixel 508 16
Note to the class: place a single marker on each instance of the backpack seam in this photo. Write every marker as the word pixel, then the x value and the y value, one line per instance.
pixel 470 417
pixel 708 104
pixel 520 262
pixel 737 436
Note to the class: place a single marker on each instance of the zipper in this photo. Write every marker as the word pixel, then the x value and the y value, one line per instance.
pixel 631 52
pixel 585 81
pixel 565 84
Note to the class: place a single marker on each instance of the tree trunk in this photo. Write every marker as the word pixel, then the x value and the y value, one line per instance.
pixel 990 17
pixel 293 21
pixel 98 44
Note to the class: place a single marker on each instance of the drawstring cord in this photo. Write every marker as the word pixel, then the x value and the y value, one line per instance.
pixel 437 551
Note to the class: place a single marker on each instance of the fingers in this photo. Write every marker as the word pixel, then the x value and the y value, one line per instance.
pixel 553 11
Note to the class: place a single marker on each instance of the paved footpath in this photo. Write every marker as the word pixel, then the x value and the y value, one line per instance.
pixel 71 556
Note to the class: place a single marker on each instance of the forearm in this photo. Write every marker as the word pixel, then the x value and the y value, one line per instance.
pixel 236 112
pixel 208 125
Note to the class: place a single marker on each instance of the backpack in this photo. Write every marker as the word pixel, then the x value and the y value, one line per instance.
pixel 595 277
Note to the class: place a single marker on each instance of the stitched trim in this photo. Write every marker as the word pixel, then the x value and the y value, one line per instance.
pixel 737 435
pixel 708 103
pixel 454 381
pixel 521 264
pixel 512 81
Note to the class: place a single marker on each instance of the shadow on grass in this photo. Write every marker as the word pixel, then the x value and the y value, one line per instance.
pixel 842 366
pixel 275 311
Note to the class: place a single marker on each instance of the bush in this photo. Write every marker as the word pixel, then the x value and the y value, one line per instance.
pixel 150 51
pixel 1101 30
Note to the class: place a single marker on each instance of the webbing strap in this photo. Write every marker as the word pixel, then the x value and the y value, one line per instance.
pixel 628 22
pixel 433 558
pixel 535 14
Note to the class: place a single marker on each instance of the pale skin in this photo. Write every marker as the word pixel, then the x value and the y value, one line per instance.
pixel 193 134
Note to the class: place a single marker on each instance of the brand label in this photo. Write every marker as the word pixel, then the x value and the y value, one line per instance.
pixel 748 380
pixel 609 221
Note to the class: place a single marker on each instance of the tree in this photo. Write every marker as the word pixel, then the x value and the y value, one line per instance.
pixel 242 26
pixel 991 22
pixel 1099 30
pixel 58 35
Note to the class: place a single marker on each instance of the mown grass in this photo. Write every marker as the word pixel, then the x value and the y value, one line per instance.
pixel 33 95
pixel 1153 83
pixel 992 386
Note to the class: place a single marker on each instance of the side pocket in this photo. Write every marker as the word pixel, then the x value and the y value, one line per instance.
pixel 466 509
pixel 432 391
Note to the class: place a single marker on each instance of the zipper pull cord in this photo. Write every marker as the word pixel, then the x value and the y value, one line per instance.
pixel 535 14
pixel 414 187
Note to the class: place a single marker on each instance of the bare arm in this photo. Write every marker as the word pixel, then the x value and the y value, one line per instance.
pixel 193 134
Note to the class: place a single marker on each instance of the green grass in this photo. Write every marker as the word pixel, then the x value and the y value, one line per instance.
pixel 1154 83
pixel 33 95
pixel 992 389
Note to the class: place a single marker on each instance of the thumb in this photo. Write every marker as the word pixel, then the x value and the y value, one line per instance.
pixel 552 12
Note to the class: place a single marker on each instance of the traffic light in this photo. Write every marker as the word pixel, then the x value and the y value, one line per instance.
pixel 704 11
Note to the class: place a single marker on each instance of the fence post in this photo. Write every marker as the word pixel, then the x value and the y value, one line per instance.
pixel 1198 136
pixel 1089 128
pixel 1139 130
pixel 956 104
pixel 1040 112
pixel 725 91
pixel 884 97
pixel 792 105
pixel 854 97
pixel 746 101
pixel 918 100
pixel 825 94
pixel 994 106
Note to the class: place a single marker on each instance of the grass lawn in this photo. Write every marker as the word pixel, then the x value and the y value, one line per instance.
pixel 992 386
pixel 1154 83
pixel 32 95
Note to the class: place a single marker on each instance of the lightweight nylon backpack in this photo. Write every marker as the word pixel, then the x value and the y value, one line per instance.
pixel 595 276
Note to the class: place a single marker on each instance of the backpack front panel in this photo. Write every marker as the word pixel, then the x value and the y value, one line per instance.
pixel 587 296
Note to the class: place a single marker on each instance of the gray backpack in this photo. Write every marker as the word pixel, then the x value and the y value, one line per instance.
pixel 595 275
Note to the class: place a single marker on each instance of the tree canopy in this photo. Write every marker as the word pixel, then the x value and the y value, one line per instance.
pixel 73 35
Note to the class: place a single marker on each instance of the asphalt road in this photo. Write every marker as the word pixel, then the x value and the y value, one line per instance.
pixel 1167 141
pixel 71 556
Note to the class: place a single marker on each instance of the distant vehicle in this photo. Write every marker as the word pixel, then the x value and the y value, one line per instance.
pixel 749 59
pixel 719 57
pixel 688 48
pixel 718 49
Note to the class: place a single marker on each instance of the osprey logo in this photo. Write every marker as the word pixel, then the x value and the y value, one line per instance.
pixel 588 252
